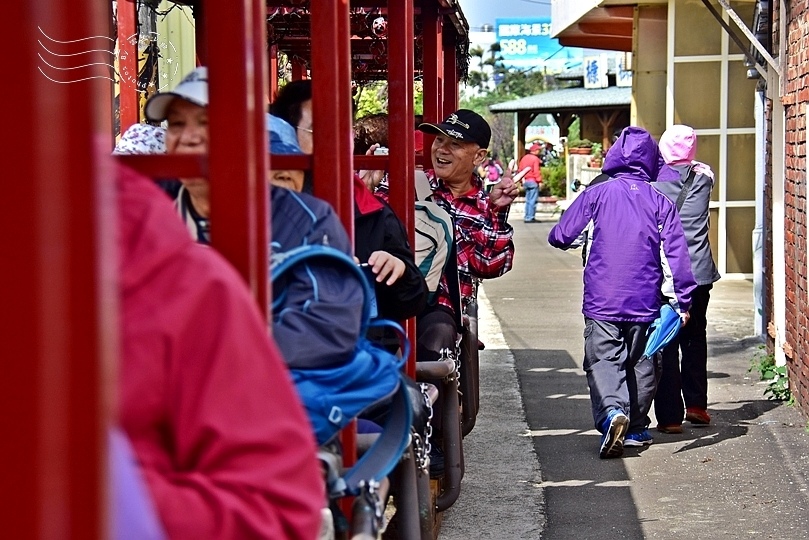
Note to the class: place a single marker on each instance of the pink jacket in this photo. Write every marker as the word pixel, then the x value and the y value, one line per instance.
pixel 218 430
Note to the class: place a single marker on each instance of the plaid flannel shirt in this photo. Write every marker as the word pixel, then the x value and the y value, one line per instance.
pixel 482 235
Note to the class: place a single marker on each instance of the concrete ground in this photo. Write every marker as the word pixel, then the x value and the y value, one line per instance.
pixel 532 469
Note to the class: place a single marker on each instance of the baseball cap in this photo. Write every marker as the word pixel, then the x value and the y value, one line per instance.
pixel 193 88
pixel 534 147
pixel 463 125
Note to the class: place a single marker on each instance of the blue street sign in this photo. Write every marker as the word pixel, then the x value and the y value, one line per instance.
pixel 526 42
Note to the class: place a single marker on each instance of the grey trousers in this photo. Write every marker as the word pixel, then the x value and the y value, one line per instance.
pixel 618 374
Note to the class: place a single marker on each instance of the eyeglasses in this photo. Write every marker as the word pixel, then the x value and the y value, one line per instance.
pixel 304 129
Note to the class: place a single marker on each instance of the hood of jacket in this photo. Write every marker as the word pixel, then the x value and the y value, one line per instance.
pixel 678 144
pixel 634 155
pixel 149 232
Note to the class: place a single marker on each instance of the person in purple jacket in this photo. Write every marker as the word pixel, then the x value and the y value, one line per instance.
pixel 636 241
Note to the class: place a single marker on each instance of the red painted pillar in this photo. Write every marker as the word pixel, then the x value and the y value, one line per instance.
pixel 400 114
pixel 433 73
pixel 200 25
pixel 238 157
pixel 400 127
pixel 450 78
pixel 331 108
pixel 331 115
pixel 128 107
pixel 58 327
pixel 299 70
pixel 262 165
pixel 273 74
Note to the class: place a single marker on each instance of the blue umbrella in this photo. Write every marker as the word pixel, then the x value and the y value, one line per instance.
pixel 662 331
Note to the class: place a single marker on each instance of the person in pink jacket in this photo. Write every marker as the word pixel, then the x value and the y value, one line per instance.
pixel 217 429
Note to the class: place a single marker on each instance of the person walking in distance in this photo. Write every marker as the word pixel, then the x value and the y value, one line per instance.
pixel 684 382
pixel 636 240
pixel 531 180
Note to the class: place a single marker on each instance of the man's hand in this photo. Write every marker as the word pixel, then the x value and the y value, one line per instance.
pixel 386 267
pixel 371 178
pixel 684 317
pixel 504 192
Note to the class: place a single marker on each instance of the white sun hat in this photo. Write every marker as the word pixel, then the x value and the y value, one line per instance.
pixel 193 88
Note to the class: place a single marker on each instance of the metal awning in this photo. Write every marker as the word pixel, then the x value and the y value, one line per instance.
pixel 595 24
pixel 608 24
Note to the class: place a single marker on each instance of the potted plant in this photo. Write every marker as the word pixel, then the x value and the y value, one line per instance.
pixel 597 153
pixel 582 146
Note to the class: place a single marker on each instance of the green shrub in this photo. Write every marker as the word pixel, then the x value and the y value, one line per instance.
pixel 554 179
pixel 778 382
pixel 581 143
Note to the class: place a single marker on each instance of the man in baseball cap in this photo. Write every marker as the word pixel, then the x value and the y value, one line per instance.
pixel 483 236
pixel 460 145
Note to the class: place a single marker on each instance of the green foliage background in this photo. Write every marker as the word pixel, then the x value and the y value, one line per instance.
pixel 372 98
pixel 554 179
pixel 514 84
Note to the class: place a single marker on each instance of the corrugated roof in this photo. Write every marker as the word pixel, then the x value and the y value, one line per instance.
pixel 569 99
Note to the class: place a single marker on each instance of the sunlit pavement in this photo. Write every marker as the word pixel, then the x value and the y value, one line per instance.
pixel 531 462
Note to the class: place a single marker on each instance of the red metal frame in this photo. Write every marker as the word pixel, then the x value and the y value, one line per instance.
pixel 299 71
pixel 331 110
pixel 59 325
pixel 257 116
pixel 60 319
pixel 273 67
pixel 433 73
pixel 128 99
pixel 331 122
pixel 450 87
pixel 400 128
pixel 238 158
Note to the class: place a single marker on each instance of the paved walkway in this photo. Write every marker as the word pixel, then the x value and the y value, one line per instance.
pixel 532 469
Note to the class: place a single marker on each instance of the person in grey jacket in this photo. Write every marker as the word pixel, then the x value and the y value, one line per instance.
pixel 684 386
pixel 636 239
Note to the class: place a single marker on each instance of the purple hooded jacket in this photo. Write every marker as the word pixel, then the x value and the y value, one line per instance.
pixel 636 236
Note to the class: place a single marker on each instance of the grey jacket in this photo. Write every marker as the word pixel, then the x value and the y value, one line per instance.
pixel 694 216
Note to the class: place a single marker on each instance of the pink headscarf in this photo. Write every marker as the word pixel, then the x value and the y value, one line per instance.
pixel 678 145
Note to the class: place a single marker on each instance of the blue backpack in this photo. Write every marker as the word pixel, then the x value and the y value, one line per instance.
pixel 335 395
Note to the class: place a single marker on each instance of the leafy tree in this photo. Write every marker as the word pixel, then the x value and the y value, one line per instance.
pixel 510 84
pixel 372 98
